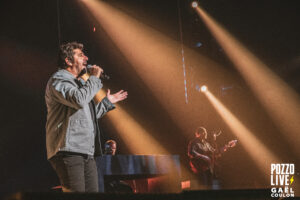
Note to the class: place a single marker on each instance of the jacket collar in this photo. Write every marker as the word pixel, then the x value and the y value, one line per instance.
pixel 62 73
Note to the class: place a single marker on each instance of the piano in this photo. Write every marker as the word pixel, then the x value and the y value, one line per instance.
pixel 165 168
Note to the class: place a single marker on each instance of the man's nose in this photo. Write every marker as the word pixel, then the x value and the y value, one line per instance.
pixel 86 58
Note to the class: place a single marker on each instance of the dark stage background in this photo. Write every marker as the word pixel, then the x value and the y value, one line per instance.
pixel 29 40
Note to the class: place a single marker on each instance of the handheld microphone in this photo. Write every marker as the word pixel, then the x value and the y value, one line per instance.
pixel 102 76
pixel 83 71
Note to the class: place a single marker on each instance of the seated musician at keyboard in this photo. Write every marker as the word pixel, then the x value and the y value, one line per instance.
pixel 114 186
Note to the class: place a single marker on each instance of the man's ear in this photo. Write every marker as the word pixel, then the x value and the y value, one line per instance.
pixel 69 63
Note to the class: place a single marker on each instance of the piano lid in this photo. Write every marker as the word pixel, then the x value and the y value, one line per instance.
pixel 139 164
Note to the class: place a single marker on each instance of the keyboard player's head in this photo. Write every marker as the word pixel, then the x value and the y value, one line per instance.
pixel 110 147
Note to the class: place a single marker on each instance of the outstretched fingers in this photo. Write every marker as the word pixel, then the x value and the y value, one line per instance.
pixel 122 94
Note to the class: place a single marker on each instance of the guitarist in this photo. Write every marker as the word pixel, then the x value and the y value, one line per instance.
pixel 203 155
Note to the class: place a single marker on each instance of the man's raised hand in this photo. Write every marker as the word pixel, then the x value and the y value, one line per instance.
pixel 119 96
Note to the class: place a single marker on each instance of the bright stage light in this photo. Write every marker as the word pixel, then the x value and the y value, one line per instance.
pixel 194 4
pixel 281 102
pixel 148 54
pixel 203 88
pixel 263 156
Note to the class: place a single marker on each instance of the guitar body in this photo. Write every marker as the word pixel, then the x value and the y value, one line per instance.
pixel 199 165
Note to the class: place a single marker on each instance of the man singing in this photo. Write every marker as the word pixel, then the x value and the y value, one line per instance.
pixel 72 132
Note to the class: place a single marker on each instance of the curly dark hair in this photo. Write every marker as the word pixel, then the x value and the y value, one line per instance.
pixel 66 51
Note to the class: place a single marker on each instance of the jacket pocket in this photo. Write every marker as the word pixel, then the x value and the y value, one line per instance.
pixel 80 134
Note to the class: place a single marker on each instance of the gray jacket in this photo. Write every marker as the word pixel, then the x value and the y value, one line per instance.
pixel 69 124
